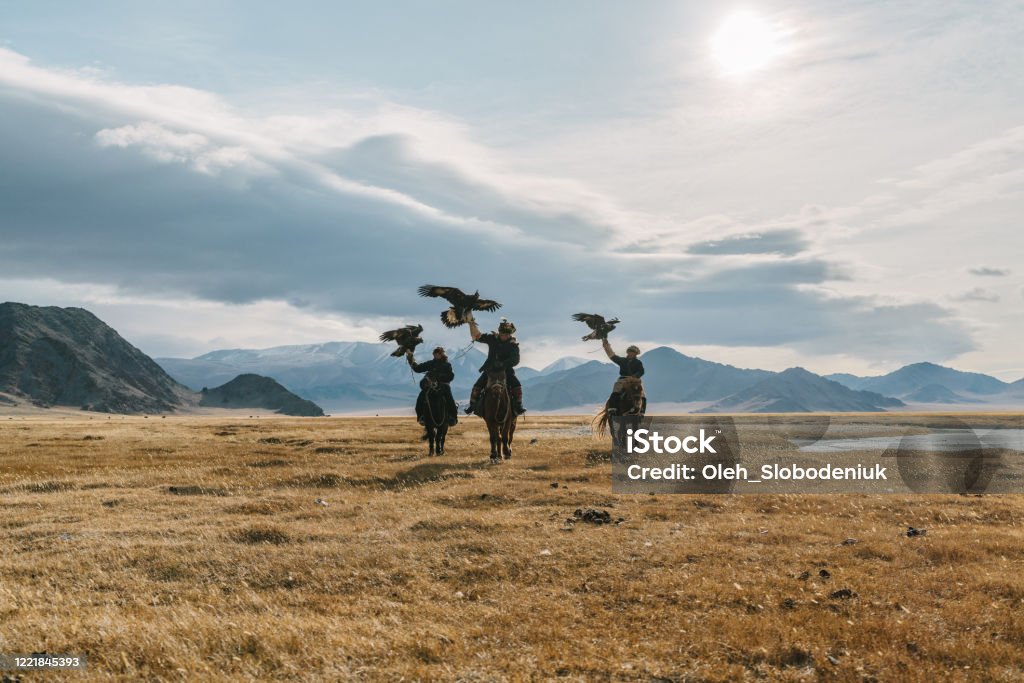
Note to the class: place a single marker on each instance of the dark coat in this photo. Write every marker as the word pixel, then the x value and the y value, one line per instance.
pixel 500 354
pixel 437 370
pixel 629 367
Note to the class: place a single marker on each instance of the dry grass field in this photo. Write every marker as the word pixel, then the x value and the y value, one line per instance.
pixel 195 549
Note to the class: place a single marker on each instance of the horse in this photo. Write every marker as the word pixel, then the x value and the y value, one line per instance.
pixel 631 406
pixel 499 415
pixel 435 416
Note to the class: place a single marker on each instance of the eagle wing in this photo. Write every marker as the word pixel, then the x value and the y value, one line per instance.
pixel 486 305
pixel 453 294
pixel 402 334
pixel 593 320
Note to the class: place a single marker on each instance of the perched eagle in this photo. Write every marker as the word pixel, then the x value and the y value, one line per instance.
pixel 461 303
pixel 597 323
pixel 408 339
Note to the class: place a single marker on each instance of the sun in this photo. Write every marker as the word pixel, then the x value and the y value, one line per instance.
pixel 746 42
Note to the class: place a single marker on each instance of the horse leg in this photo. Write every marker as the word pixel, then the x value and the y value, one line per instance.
pixel 506 440
pixel 617 430
pixel 442 433
pixel 431 436
pixel 492 429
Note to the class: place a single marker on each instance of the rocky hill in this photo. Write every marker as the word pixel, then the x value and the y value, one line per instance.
pixel 254 391
pixel 55 356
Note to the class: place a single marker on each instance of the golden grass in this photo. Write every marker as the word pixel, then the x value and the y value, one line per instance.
pixel 193 549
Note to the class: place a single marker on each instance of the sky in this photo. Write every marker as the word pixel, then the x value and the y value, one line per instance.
pixel 833 185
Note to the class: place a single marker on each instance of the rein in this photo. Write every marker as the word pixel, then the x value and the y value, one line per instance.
pixel 435 389
pixel 507 400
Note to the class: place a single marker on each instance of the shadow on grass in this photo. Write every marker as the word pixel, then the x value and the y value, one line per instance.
pixel 420 474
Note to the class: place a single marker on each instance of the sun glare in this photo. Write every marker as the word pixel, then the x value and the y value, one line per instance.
pixel 746 42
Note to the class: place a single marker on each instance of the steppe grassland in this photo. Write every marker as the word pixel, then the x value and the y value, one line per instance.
pixel 186 548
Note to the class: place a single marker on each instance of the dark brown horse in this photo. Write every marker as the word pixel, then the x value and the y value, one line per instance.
pixel 631 406
pixel 435 416
pixel 499 415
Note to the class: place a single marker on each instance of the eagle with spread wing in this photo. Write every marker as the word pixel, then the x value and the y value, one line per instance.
pixel 461 302
pixel 408 338
pixel 599 326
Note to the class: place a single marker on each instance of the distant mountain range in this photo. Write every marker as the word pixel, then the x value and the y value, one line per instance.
pixel 51 356
pixel 798 391
pixel 360 376
pixel 69 357
pixel 341 376
pixel 931 383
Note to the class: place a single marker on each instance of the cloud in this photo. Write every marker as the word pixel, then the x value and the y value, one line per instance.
pixel 978 294
pixel 988 271
pixel 168 193
pixel 783 242
pixel 167 146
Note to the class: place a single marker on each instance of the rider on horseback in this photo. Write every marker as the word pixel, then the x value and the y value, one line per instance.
pixel 502 353
pixel 439 371
pixel 630 366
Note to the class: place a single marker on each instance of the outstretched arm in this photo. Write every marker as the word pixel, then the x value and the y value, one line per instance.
pixel 608 348
pixel 474 331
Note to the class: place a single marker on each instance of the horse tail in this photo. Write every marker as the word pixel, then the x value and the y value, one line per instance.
pixel 600 422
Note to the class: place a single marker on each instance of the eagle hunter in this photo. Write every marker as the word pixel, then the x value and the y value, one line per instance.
pixel 461 302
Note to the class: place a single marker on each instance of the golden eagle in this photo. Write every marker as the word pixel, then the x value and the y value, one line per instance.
pixel 597 323
pixel 408 339
pixel 461 302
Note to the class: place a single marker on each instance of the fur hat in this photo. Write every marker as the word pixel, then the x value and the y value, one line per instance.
pixel 506 326
pixel 633 347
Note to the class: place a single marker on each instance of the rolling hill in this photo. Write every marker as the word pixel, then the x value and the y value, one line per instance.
pixel 255 391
